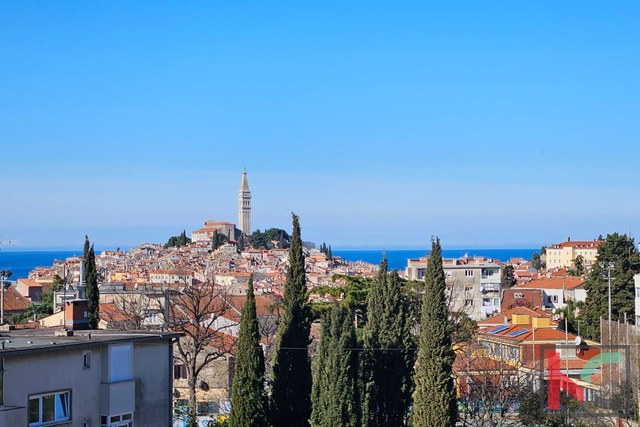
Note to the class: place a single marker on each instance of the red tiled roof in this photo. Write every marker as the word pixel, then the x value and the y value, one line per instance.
pixel 566 283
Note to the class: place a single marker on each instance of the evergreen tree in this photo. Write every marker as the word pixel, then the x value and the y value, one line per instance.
pixel 291 376
pixel 91 280
pixel 217 240
pixel 618 252
pixel 334 393
pixel 507 279
pixel 240 244
pixel 434 402
pixel 249 398
pixel 536 262
pixel 386 370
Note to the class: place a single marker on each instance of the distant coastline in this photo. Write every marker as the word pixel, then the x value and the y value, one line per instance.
pixel 21 262
pixel 397 259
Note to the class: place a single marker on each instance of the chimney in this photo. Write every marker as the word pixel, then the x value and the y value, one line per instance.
pixel 76 314
pixel 568 239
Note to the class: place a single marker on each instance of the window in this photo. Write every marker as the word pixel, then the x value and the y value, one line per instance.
pixel 468 302
pixel 86 359
pixel 121 420
pixel 637 292
pixel 468 288
pixel 49 408
pixel 179 372
pixel 496 301
pixel 206 408
pixel 120 362
pixel 468 273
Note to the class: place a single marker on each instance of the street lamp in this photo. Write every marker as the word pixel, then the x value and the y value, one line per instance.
pixel 4 274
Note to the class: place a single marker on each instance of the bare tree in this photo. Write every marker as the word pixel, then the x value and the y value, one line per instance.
pixel 196 311
pixel 133 309
pixel 491 384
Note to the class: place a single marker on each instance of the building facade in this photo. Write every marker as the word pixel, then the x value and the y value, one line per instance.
pixel 244 206
pixel 473 284
pixel 562 255
pixel 91 378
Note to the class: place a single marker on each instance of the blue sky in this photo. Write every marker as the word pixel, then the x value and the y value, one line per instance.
pixel 489 124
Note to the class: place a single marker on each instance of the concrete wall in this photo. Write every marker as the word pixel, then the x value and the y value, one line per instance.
pixel 153 383
pixel 55 371
pixel 39 373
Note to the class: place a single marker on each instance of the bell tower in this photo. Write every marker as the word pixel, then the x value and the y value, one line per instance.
pixel 244 205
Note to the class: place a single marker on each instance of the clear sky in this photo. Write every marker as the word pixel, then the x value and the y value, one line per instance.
pixel 488 123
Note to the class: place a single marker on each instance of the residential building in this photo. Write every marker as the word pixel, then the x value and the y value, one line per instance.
pixel 89 378
pixel 562 255
pixel 557 290
pixel 168 277
pixel 473 284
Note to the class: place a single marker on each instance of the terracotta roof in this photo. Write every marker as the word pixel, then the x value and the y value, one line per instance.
pixel 567 283
pixel 498 319
pixel 584 244
pixel 13 301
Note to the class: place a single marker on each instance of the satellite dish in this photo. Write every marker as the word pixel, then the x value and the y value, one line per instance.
pixel 578 340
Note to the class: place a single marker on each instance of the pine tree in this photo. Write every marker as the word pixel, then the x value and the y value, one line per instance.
pixel 329 254
pixel 249 398
pixel 291 389
pixel 434 403
pixel 91 279
pixel 334 399
pixel 618 253
pixel 386 374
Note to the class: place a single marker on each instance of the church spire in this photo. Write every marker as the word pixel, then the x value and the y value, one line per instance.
pixel 244 205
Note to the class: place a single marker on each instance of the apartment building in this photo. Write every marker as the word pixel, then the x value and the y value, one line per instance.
pixel 89 378
pixel 562 255
pixel 473 284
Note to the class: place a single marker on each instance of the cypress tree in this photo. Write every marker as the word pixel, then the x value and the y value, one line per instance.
pixel 91 280
pixel 291 374
pixel 386 369
pixel 334 400
pixel 434 403
pixel 249 398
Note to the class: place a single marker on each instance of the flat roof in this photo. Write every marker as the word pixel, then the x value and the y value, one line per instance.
pixel 22 341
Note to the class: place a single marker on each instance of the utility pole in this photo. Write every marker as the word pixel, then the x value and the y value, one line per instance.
pixel 609 279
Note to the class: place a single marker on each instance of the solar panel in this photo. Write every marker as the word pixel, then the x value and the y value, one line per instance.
pixel 516 333
pixel 499 329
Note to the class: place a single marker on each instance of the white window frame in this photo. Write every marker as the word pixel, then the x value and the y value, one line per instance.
pixel 117 420
pixel 57 418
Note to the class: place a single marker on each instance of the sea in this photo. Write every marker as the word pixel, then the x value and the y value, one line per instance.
pixel 20 263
